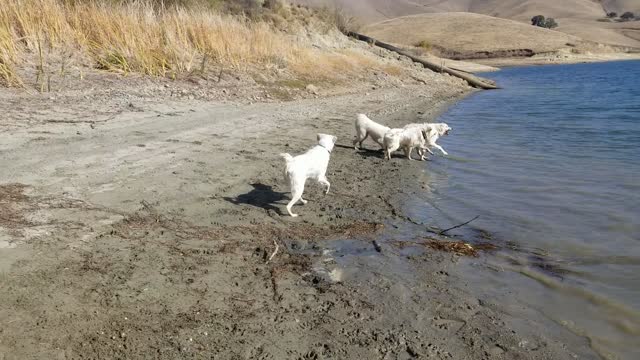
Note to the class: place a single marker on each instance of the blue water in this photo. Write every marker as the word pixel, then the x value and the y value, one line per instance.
pixel 551 163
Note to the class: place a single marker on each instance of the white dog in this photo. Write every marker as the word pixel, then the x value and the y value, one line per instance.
pixel 310 165
pixel 407 139
pixel 366 127
pixel 432 133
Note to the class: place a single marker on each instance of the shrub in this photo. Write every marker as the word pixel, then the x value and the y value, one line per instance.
pixel 344 22
pixel 539 20
pixel 423 44
pixel 612 15
pixel 627 16
pixel 550 23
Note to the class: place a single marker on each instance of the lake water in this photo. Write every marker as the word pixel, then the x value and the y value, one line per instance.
pixel 551 163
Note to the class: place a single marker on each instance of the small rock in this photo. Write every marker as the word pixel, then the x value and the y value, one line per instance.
pixel 495 351
pixel 313 89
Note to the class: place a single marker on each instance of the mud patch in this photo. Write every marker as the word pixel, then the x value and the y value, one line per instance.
pixel 13 202
pixel 25 216
pixel 457 247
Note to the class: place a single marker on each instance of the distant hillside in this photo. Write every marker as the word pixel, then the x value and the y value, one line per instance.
pixel 576 17
pixel 467 35
pixel 376 10
pixel 620 6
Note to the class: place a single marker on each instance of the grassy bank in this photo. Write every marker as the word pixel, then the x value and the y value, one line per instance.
pixel 168 39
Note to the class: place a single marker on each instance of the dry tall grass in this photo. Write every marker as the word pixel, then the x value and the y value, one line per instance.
pixel 140 36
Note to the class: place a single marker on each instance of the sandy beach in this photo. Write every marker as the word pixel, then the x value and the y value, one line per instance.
pixel 143 229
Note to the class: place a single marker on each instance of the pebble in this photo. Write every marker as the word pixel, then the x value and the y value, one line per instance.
pixel 494 351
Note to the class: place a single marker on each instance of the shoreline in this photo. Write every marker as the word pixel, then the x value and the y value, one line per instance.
pixel 156 236
pixel 557 59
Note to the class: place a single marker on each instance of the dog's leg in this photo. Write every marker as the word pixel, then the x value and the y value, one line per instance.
pixel 440 148
pixel 297 188
pixel 364 138
pixel 290 205
pixel 390 150
pixel 407 151
pixel 323 180
pixel 359 139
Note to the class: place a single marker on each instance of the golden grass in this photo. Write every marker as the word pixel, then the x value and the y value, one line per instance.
pixel 137 37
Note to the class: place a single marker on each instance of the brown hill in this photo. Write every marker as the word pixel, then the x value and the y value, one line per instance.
pixel 475 35
pixel 575 17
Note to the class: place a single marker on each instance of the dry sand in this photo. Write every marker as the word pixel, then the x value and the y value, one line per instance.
pixel 138 226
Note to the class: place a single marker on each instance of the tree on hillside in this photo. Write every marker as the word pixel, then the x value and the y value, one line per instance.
pixel 537 20
pixel 627 16
pixel 550 23
pixel 612 15
pixel 540 21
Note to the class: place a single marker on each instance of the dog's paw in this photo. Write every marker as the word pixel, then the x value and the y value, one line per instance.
pixel 294 215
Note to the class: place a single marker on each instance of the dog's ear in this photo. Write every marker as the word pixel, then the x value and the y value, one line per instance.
pixel 318 136
pixel 335 139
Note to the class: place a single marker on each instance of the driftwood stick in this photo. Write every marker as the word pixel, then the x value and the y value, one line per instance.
pixel 376 246
pixel 471 79
pixel 274 251
pixel 457 226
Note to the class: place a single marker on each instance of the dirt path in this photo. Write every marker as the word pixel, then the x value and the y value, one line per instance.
pixel 146 236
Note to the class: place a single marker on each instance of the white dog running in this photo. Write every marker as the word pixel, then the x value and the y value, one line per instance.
pixel 366 127
pixel 310 165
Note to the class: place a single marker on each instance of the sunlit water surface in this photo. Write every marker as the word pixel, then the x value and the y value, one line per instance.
pixel 551 163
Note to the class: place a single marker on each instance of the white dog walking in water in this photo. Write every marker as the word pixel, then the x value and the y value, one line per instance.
pixel 310 165
pixel 407 139
pixel 432 133
pixel 366 127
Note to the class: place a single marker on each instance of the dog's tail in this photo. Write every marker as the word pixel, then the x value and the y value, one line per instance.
pixel 287 157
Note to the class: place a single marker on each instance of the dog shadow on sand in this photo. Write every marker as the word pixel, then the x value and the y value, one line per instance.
pixel 365 153
pixel 262 196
